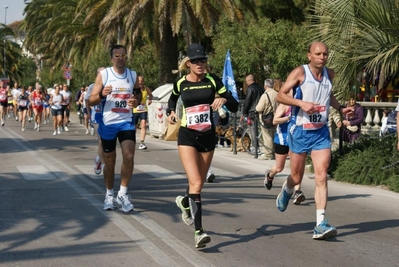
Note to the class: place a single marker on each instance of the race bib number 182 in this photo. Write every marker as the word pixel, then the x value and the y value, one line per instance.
pixel 316 120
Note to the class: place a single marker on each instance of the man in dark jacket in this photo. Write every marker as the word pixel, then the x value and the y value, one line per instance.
pixel 253 94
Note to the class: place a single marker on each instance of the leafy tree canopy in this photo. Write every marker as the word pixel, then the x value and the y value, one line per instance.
pixel 271 52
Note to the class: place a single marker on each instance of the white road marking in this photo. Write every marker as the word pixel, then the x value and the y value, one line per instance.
pixel 149 247
pixel 36 172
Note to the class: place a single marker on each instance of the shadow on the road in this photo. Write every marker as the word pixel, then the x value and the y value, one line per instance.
pixel 69 251
pixel 58 144
pixel 365 227
pixel 311 201
pixel 278 229
pixel 258 233
pixel 349 196
pixel 33 210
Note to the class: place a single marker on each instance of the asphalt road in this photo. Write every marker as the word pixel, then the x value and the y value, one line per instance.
pixel 51 211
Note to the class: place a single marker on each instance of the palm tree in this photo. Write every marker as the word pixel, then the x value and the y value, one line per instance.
pixel 162 22
pixel 360 34
pixel 12 53
pixel 55 30
pixel 64 31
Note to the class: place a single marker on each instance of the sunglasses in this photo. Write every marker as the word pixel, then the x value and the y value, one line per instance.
pixel 198 60
pixel 119 55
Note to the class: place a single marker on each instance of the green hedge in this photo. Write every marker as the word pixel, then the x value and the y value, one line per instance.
pixel 370 161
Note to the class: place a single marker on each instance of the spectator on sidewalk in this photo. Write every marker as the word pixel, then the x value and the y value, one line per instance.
pixel 141 111
pixel 253 94
pixel 267 103
pixel 352 122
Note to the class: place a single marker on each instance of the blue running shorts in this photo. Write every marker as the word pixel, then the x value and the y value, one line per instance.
pixel 110 132
pixel 304 141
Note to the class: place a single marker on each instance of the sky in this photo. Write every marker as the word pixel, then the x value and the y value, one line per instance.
pixel 14 11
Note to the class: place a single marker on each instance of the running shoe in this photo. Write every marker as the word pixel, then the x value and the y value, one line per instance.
pixel 142 146
pixel 186 213
pixel 299 197
pixel 23 129
pixel 38 128
pixel 97 165
pixel 108 202
pixel 201 239
pixel 44 122
pixel 127 206
pixel 87 131
pixel 16 118
pixel 58 131
pixel 283 198
pixel 2 123
pixel 268 182
pixel 92 130
pixel 324 231
pixel 66 129
pixel 210 178
pixel 55 133
pixel 34 128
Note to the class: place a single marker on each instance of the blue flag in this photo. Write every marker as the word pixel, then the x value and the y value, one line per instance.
pixel 228 76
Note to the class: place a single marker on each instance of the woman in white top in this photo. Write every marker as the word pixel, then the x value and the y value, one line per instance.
pixel 56 109
pixel 21 99
pixel 83 103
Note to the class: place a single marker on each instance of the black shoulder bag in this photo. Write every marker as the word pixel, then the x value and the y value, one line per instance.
pixel 267 119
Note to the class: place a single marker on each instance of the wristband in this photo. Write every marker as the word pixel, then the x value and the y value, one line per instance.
pixel 168 111
pixel 101 95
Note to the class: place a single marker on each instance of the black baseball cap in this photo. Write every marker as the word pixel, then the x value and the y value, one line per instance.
pixel 196 51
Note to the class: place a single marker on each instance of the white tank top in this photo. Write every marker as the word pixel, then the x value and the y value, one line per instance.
pixel 114 107
pixel 313 90
pixel 57 99
pixel 84 99
pixel 65 97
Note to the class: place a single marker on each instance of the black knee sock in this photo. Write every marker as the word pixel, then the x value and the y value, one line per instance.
pixel 185 202
pixel 188 190
pixel 198 214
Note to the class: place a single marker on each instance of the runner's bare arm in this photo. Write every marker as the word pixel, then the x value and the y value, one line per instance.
pixel 295 78
pixel 96 93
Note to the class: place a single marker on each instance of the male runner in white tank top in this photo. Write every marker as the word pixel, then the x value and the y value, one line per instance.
pixel 308 131
pixel 114 89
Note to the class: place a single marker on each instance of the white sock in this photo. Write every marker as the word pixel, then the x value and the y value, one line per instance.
pixel 122 191
pixel 320 216
pixel 110 192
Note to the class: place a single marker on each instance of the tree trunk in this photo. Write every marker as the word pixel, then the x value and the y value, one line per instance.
pixel 168 55
pixel 381 83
